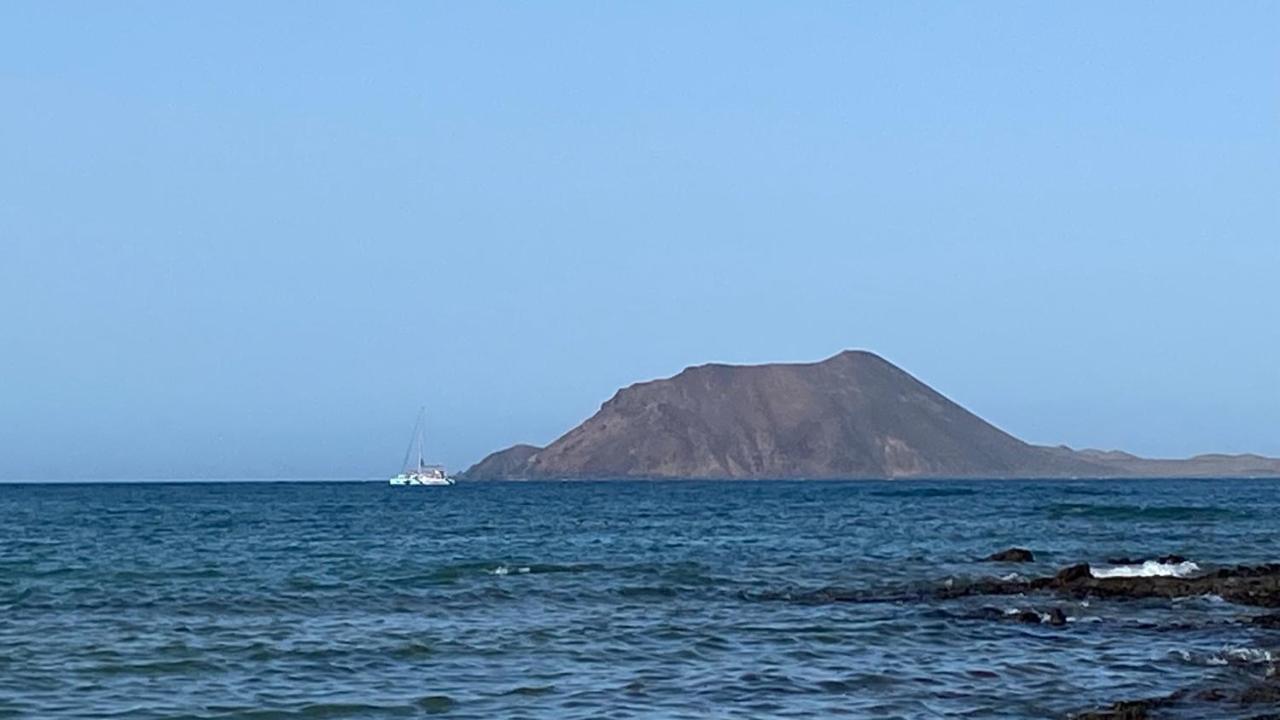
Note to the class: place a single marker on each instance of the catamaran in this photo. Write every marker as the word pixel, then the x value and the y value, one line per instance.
pixel 416 470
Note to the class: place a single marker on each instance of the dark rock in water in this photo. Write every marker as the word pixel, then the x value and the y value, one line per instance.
pixel 1055 616
pixel 1124 710
pixel 990 613
pixel 1210 695
pixel 1030 617
pixel 1171 560
pixel 1253 693
pixel 1257 585
pixel 1012 555
pixel 1271 621
pixel 1261 693
pixel 1072 574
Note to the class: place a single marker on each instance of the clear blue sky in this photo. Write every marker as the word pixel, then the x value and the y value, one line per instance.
pixel 248 239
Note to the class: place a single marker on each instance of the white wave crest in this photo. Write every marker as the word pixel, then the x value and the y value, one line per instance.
pixel 1246 655
pixel 1150 568
pixel 1230 656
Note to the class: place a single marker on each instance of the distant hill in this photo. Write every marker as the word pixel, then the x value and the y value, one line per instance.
pixel 1123 464
pixel 854 415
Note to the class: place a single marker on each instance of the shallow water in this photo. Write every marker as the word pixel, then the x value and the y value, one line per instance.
pixel 602 599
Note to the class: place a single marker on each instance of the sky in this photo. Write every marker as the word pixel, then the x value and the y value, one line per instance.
pixel 251 239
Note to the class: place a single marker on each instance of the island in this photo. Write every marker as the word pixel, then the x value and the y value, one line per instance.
pixel 852 416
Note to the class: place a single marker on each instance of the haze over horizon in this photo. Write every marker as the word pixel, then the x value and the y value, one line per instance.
pixel 238 241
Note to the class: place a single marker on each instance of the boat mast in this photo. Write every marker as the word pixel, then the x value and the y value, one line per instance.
pixel 422 440
pixel 415 443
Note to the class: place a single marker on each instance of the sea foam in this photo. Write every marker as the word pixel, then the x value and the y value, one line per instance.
pixel 1150 568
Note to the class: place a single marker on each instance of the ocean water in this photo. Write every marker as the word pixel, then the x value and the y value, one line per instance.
pixel 604 599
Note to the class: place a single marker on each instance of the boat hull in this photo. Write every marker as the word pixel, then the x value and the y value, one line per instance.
pixel 419 480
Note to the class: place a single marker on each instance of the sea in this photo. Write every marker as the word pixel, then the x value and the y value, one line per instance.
pixel 609 599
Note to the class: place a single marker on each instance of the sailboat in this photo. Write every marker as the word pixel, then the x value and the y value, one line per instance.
pixel 416 470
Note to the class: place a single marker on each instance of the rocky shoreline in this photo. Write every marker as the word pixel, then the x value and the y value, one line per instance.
pixel 1252 585
pixel 1250 692
pixel 1255 693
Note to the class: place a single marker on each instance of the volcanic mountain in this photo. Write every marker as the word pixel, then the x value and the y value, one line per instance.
pixel 854 415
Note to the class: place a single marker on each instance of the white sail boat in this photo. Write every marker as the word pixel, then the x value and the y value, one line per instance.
pixel 416 470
